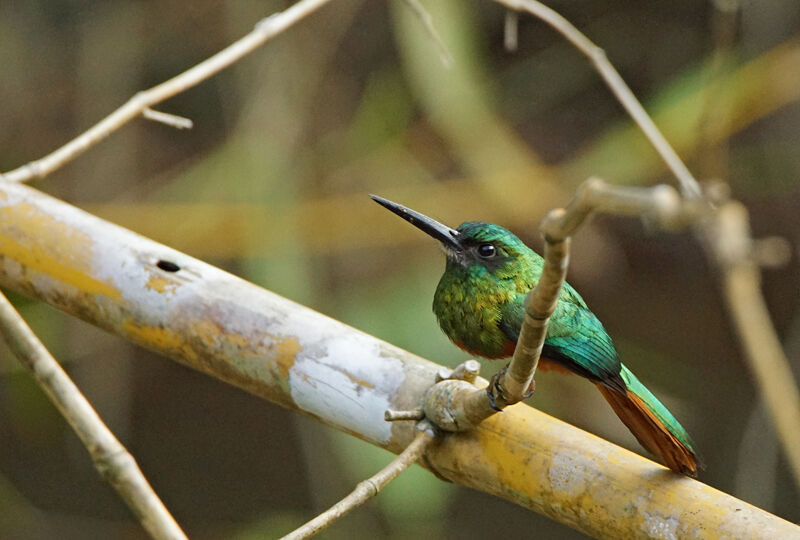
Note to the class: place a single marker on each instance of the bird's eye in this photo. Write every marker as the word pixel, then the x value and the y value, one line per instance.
pixel 486 251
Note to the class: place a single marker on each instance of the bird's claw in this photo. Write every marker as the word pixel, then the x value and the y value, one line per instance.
pixel 531 389
pixel 494 390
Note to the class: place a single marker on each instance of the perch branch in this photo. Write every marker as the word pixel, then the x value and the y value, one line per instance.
pixel 265 30
pixel 619 88
pixel 242 334
pixel 540 304
pixel 110 458
pixel 370 487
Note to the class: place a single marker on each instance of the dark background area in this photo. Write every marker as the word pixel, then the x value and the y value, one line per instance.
pixel 271 185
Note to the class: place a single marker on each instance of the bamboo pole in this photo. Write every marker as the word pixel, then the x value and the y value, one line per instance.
pixel 235 331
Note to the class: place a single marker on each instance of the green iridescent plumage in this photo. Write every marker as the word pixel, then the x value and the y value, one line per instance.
pixel 479 304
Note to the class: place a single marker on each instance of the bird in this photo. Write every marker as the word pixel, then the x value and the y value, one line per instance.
pixel 480 305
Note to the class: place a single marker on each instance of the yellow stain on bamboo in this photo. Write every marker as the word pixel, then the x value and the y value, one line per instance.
pixel 161 284
pixel 576 478
pixel 158 337
pixel 286 350
pixel 560 484
pixel 209 332
pixel 32 242
pixel 280 350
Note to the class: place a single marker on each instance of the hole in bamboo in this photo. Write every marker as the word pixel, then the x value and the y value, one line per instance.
pixel 168 266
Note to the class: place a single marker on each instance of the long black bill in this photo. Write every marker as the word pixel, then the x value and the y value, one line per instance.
pixel 443 233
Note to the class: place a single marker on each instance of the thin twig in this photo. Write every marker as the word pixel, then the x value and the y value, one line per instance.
pixel 172 120
pixel 396 416
pixel 111 459
pixel 370 487
pixel 427 23
pixel 265 30
pixel 689 186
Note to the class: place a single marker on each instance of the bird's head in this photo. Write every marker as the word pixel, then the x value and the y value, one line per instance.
pixel 474 245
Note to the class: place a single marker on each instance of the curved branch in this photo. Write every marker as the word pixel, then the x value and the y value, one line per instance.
pixel 265 30
pixel 598 58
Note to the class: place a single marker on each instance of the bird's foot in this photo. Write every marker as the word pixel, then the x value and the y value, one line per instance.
pixel 494 390
pixel 531 389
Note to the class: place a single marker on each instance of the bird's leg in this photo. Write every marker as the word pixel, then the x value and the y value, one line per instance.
pixel 495 390
pixel 531 389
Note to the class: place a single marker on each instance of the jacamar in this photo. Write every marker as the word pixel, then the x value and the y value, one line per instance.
pixel 480 305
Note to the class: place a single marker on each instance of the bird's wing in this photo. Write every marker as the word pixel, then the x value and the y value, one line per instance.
pixel 575 338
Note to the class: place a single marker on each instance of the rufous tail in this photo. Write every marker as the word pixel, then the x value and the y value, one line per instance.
pixel 651 431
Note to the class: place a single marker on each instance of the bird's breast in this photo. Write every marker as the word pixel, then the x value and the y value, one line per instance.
pixel 470 317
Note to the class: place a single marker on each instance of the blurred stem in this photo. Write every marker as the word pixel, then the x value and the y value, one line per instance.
pixel 716 114
pixel 459 105
pixel 757 463
pixel 740 273
pixel 766 358
pixel 427 23
pixel 112 460
pixel 730 242
pixel 511 31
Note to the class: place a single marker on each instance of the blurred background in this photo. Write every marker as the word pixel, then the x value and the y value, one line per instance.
pixel 272 183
